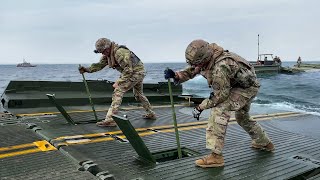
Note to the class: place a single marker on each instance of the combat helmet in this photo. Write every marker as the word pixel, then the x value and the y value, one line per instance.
pixel 102 44
pixel 197 52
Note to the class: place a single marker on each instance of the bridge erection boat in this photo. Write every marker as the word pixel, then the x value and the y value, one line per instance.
pixel 266 64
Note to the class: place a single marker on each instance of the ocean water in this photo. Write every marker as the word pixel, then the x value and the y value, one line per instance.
pixel 281 92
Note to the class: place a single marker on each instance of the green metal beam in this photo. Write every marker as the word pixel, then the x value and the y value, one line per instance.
pixel 60 108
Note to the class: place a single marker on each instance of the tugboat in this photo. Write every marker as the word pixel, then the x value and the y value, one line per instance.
pixel 25 64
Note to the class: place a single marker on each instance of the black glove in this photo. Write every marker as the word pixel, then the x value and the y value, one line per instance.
pixel 168 73
pixel 211 95
pixel 196 112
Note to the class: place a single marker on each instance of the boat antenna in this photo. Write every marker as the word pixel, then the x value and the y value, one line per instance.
pixel 258 48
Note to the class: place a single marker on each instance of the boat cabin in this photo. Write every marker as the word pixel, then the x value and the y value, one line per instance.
pixel 265 59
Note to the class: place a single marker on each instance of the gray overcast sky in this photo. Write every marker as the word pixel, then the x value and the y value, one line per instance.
pixel 63 31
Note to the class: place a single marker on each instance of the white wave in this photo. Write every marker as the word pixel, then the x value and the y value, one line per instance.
pixel 290 107
pixel 197 80
pixel 312 70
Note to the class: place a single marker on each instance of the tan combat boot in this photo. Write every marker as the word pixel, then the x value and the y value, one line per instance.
pixel 150 116
pixel 211 160
pixel 268 147
pixel 108 122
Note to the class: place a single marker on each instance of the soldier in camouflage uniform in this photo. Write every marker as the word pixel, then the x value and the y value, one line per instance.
pixel 132 74
pixel 234 85
pixel 299 61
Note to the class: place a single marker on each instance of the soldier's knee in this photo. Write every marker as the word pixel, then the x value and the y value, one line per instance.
pixel 222 117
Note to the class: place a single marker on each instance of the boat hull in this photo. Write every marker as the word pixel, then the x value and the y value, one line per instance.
pixel 262 69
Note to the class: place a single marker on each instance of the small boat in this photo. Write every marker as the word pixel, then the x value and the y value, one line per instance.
pixel 25 64
pixel 266 64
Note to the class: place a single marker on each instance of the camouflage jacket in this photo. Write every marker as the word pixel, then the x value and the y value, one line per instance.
pixel 223 73
pixel 123 60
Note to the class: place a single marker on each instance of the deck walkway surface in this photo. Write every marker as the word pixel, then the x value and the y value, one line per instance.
pixel 46 147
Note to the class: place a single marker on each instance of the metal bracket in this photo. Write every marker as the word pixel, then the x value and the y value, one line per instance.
pixel 134 138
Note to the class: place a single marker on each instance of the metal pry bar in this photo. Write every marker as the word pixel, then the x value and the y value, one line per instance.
pixel 89 94
pixel 174 120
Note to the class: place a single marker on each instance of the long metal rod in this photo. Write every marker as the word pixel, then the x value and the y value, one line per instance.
pixel 89 94
pixel 174 120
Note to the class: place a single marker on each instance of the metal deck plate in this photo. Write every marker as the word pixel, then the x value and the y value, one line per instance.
pixel 28 162
pixel 108 148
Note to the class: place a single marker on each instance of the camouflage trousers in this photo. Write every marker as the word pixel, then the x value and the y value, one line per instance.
pixel 238 101
pixel 134 83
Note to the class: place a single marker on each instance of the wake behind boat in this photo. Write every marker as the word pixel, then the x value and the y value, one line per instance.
pixel 25 64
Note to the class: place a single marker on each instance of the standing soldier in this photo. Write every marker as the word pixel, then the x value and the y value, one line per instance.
pixel 299 61
pixel 132 73
pixel 277 60
pixel 234 85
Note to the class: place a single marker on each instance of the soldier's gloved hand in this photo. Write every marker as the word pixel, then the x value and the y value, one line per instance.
pixel 169 73
pixel 196 112
pixel 83 69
